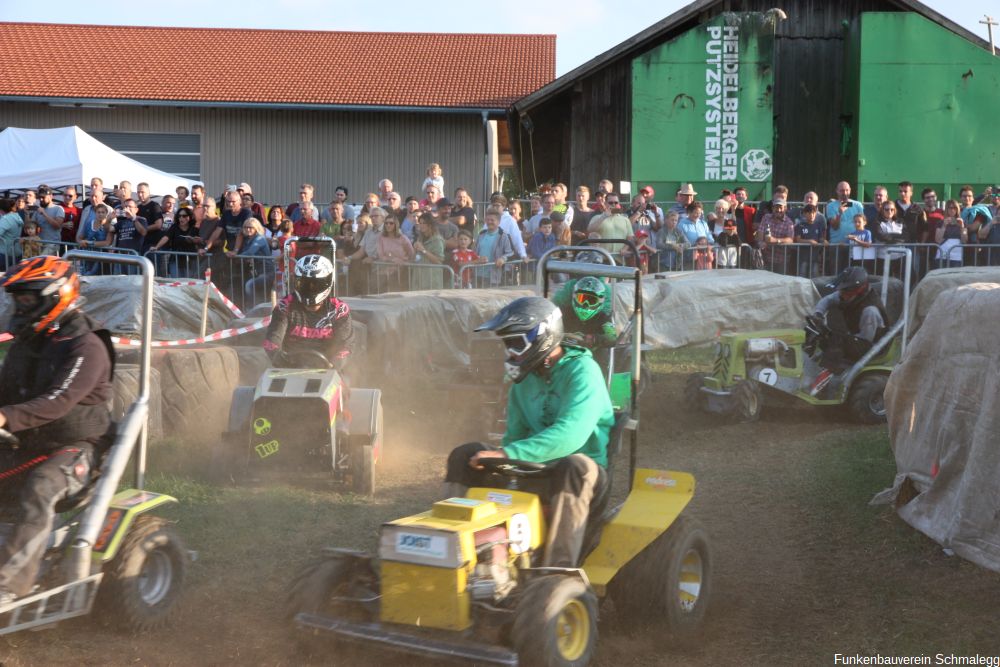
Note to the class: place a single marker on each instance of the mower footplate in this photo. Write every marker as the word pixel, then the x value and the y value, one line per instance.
pixel 375 633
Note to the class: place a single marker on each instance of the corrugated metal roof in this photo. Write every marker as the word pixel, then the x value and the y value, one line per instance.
pixel 658 31
pixel 487 71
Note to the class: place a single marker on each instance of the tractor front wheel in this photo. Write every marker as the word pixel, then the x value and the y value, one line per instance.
pixel 143 582
pixel 318 585
pixel 748 401
pixel 694 399
pixel 555 624
pixel 866 400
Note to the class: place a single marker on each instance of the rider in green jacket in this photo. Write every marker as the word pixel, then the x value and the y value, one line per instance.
pixel 559 412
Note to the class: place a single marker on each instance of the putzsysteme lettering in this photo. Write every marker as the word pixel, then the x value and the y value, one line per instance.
pixel 722 103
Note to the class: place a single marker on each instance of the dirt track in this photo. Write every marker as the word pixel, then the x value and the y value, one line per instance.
pixel 803 568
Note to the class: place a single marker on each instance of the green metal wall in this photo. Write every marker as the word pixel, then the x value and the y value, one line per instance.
pixel 926 106
pixel 684 108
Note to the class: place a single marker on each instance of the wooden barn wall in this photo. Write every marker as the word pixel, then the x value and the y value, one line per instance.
pixel 276 150
pixel 601 127
pixel 809 81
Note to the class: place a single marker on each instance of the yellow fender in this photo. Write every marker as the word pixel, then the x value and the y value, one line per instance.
pixel 656 500
pixel 125 507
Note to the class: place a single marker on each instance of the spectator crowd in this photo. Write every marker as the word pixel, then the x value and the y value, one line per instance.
pixel 427 241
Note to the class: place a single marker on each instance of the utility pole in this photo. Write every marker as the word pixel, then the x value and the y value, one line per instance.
pixel 989 21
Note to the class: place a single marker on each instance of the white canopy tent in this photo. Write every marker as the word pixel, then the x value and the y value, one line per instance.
pixel 69 156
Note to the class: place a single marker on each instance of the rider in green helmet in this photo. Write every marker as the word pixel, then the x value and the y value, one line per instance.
pixel 587 309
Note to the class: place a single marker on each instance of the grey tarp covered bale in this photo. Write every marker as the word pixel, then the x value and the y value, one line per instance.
pixel 943 403
pixel 692 307
pixel 936 282
pixel 115 302
pixel 409 333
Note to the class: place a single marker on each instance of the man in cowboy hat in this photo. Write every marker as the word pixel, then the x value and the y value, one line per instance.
pixel 685 195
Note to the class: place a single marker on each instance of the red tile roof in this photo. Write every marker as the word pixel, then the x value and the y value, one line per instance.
pixel 272 66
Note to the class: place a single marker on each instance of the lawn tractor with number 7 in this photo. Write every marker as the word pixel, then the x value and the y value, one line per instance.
pixel 752 369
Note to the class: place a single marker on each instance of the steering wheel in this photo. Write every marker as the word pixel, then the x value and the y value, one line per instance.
pixel 302 359
pixel 9 439
pixel 515 467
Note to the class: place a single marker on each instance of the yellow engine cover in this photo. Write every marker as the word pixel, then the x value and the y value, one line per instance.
pixel 425 596
pixel 427 558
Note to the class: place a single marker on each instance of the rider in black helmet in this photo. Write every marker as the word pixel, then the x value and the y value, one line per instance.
pixel 559 412
pixel 855 318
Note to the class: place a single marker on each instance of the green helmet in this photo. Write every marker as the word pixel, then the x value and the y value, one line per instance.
pixel 588 297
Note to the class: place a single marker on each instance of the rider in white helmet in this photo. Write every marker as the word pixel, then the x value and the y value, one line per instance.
pixel 311 317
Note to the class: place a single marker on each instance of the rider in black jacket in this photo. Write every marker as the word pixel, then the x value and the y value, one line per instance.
pixel 54 390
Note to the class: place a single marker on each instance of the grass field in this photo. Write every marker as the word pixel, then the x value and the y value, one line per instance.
pixel 804 566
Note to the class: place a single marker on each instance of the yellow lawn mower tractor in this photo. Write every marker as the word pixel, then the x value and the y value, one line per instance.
pixel 463 580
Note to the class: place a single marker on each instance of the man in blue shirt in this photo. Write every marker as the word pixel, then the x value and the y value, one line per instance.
pixel 840 214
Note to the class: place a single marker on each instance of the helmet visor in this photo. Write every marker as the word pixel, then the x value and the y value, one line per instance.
pixel 26 301
pixel 519 344
pixel 588 299
pixel 312 290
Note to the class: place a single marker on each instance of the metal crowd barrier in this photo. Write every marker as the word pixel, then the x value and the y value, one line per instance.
pixel 807 260
pixel 409 277
pixel 480 275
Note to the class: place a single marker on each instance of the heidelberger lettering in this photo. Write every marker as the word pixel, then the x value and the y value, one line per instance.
pixel 722 89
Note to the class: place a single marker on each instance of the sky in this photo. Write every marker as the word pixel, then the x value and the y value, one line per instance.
pixel 584 28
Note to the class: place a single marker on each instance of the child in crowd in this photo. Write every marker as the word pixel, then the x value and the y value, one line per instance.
pixel 862 251
pixel 704 256
pixel 182 196
pixel 543 240
pixel 31 245
pixel 729 246
pixel 645 249
pixel 670 241
pixel 464 254
pixel 434 177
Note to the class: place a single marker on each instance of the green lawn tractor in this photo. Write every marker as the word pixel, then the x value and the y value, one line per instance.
pixel 761 367
pixel 106 547
pixel 463 580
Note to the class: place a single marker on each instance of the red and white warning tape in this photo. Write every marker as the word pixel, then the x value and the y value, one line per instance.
pixel 229 304
pixel 181 284
pixel 218 335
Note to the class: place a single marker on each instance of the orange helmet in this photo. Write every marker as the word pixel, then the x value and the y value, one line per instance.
pixel 44 290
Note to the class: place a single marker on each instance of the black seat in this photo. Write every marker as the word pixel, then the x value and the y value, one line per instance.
pixel 602 494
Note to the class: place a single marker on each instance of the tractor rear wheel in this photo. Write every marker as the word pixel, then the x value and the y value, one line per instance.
pixel 669 582
pixel 555 624
pixel 866 400
pixel 362 466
